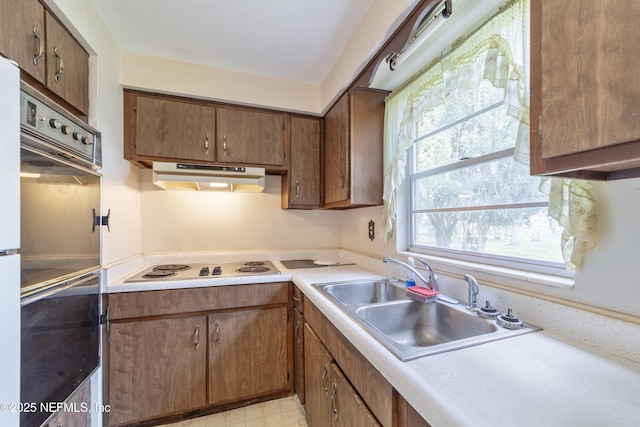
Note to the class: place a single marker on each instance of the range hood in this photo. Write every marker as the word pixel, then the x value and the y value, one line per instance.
pixel 186 176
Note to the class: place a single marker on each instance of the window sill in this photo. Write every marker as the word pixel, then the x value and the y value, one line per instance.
pixel 504 276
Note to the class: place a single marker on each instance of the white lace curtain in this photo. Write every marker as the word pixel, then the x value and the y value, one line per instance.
pixel 498 51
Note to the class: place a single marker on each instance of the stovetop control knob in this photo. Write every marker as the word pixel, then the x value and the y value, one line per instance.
pixel 509 321
pixel 204 271
pixel 77 136
pixel 216 271
pixel 86 140
pixel 66 130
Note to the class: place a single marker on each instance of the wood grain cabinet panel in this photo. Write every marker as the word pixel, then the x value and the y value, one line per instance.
pixel 250 137
pixel 67 65
pixel 347 408
pixel 584 88
pixel 353 173
pixel 247 354
pixel 174 129
pixel 298 355
pixel 301 187
pixel 157 367
pixel 22 35
pixel 317 380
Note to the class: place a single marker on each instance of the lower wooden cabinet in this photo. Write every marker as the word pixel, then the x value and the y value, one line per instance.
pixel 158 368
pixel 330 399
pixel 247 354
pixel 179 352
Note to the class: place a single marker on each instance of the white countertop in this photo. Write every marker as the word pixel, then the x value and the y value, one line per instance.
pixel 529 380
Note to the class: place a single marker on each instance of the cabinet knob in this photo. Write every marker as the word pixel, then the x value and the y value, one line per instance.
pixel 39 49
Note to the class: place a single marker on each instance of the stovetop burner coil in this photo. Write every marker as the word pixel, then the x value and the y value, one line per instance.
pixel 171 267
pixel 155 274
pixel 253 263
pixel 253 269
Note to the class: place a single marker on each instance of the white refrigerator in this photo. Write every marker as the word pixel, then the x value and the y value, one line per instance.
pixel 9 244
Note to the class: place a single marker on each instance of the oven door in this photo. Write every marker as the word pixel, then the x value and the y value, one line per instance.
pixel 58 204
pixel 60 344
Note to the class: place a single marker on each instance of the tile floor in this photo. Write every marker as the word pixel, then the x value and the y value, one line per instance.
pixel 275 413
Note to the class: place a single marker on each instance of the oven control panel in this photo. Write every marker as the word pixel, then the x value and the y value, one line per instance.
pixel 62 133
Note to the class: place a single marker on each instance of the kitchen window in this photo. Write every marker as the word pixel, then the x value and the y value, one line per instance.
pixel 457 177
pixel 468 197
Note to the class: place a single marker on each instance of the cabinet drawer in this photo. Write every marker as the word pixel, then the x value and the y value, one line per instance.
pixel 178 301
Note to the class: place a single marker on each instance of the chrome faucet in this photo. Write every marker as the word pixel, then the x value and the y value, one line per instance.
pixel 433 278
pixel 429 283
pixel 473 292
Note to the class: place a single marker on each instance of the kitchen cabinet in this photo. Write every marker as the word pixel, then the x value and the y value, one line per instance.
pixel 158 367
pixel 80 399
pixel 22 35
pixel 353 174
pixel 585 88
pixel 371 391
pixel 247 354
pixel 247 136
pixel 172 352
pixel 301 185
pixel 298 344
pixel 170 128
pixel 331 401
pixel 67 65
pixel 45 50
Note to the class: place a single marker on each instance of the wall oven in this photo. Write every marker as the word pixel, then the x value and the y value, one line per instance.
pixel 60 199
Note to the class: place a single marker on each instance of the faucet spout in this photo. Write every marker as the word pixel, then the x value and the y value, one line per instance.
pixel 428 283
pixel 433 278
pixel 473 292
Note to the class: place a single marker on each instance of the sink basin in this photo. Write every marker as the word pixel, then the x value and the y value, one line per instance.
pixel 411 329
pixel 415 324
pixel 365 292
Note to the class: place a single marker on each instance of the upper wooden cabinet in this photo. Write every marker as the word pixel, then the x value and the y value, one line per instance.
pixel 173 129
pixel 250 137
pixel 585 88
pixel 22 35
pixel 67 65
pixel 45 50
pixel 353 173
pixel 301 186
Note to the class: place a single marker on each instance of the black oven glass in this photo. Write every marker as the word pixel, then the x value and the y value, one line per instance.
pixel 60 345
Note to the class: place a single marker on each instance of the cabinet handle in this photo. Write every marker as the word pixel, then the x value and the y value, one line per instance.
pixel 196 337
pixel 60 64
pixel 342 180
pixel 296 299
pixel 39 50
pixel 297 189
pixel 333 402
pixel 224 145
pixel 324 386
pixel 216 333
pixel 297 331
pixel 206 143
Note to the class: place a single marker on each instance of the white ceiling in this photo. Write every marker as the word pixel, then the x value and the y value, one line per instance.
pixel 295 40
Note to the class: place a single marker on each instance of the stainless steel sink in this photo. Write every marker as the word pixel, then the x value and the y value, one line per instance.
pixel 364 292
pixel 411 329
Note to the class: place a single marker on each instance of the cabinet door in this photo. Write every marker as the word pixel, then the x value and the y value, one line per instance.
pixel 67 66
pixel 247 354
pixel 22 35
pixel 250 137
pixel 347 409
pixel 317 366
pixel 298 354
pixel 336 155
pixel 590 81
pixel 174 129
pixel 304 173
pixel 157 367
